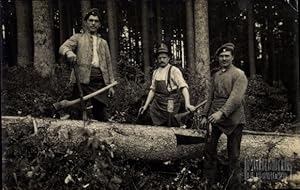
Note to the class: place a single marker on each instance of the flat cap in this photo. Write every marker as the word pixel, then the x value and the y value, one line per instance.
pixel 94 12
pixel 225 47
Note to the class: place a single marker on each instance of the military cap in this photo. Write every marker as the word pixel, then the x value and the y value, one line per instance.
pixel 94 12
pixel 225 47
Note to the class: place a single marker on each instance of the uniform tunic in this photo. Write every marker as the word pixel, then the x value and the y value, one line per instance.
pixel 227 95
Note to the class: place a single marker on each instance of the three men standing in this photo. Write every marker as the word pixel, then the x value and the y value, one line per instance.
pixel 224 109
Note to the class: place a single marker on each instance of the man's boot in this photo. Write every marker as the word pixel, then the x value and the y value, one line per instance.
pixel 209 172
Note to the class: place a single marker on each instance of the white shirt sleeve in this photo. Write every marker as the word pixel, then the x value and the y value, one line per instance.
pixel 152 87
pixel 177 80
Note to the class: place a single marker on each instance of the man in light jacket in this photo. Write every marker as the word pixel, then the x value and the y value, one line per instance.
pixel 91 54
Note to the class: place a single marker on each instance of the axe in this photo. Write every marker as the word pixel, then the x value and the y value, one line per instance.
pixel 66 103
pixel 180 116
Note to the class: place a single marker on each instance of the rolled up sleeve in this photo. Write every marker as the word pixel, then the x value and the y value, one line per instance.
pixel 178 79
pixel 152 87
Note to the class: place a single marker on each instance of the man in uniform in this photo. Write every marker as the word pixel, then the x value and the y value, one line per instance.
pixel 225 111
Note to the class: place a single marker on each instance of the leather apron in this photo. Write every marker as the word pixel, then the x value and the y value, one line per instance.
pixel 159 112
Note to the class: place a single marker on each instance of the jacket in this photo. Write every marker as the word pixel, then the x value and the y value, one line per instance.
pixel 82 45
pixel 227 95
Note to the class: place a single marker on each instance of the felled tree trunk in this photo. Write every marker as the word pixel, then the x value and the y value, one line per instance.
pixel 160 143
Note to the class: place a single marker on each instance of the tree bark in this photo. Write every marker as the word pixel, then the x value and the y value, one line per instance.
pixel 202 47
pixel 251 50
pixel 62 30
pixel 265 53
pixel 24 33
pixel 10 49
pixel 137 29
pixel 274 61
pixel 190 36
pixel 296 96
pixel 65 22
pixel 158 22
pixel 113 31
pixel 85 7
pixel 2 46
pixel 145 39
pixel 158 143
pixel 44 56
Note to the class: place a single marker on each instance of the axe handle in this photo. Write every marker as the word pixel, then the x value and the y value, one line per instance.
pixel 67 103
pixel 188 112
pixel 209 131
pixel 82 104
pixel 179 116
pixel 201 104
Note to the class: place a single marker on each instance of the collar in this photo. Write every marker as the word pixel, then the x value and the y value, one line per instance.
pixel 91 35
pixel 224 69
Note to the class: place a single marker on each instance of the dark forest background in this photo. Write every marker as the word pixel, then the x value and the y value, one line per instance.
pixel 265 34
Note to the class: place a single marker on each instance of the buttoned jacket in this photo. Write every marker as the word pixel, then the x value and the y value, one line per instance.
pixel 82 45
pixel 227 95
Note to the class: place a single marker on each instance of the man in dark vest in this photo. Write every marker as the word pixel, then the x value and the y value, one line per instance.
pixel 167 83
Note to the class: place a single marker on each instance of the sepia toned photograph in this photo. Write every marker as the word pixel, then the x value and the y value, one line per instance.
pixel 150 94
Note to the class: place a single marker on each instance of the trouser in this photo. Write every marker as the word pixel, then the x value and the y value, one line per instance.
pixel 99 110
pixel 233 147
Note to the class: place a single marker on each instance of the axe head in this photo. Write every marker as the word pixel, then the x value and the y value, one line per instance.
pixel 60 105
pixel 57 106
pixel 179 118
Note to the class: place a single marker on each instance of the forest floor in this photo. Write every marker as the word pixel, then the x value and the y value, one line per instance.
pixel 33 162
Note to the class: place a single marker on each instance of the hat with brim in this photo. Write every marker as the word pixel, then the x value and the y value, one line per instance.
pixel 225 47
pixel 94 12
pixel 163 48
